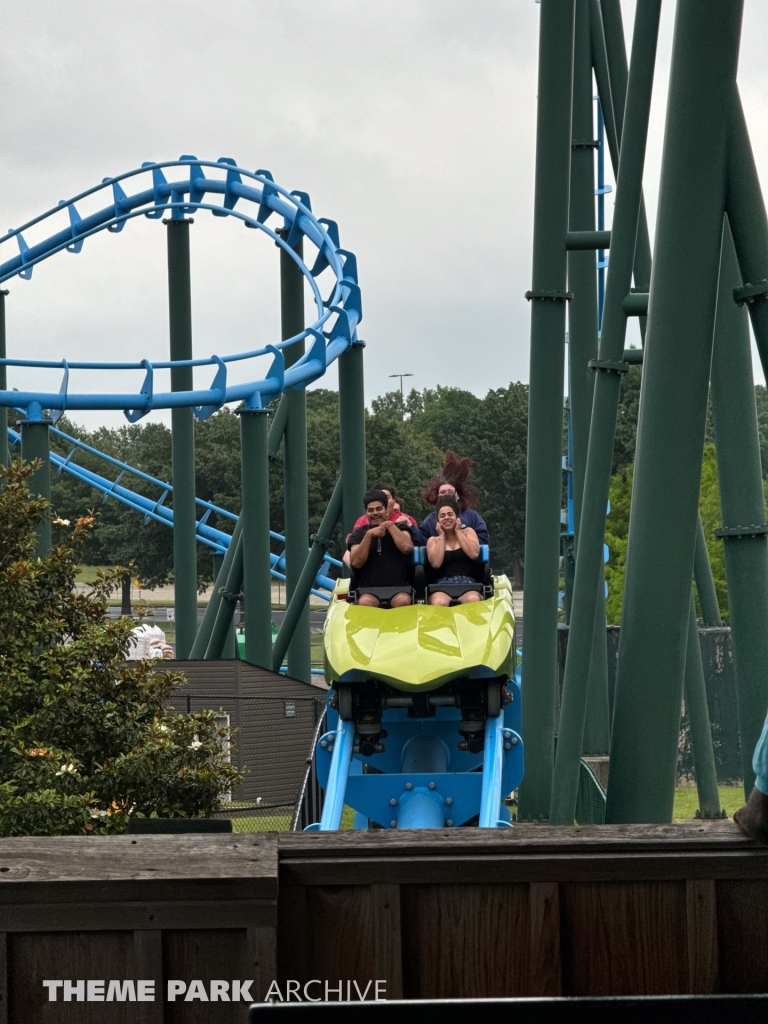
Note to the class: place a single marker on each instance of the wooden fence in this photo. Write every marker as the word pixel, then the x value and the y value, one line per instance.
pixel 529 911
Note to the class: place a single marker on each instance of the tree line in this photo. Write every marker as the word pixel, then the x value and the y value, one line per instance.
pixel 406 438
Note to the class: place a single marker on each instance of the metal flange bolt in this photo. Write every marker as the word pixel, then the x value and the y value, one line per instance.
pixel 393 802
pixel 431 785
pixel 393 823
pixel 449 800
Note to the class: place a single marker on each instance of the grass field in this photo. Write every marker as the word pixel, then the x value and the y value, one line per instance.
pixel 687 801
pixel 87 573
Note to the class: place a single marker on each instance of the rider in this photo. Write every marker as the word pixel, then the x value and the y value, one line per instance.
pixel 380 553
pixel 452 553
pixel 453 482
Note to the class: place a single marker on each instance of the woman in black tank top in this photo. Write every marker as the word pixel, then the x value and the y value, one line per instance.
pixel 452 552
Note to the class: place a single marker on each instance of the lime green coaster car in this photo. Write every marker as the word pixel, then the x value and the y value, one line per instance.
pixel 420 647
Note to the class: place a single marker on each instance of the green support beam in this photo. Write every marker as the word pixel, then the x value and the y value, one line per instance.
pixel 230 647
pixel 35 444
pixel 352 435
pixel 705 583
pixel 616 57
pixel 222 571
pixel 183 431
pixel 545 411
pixel 218 603
pixel 749 226
pixel 699 722
pixel 742 505
pixel 321 542
pixel 582 310
pixel 588 590
pixel 257 581
pixel 582 345
pixel 230 593
pixel 295 462
pixel 676 367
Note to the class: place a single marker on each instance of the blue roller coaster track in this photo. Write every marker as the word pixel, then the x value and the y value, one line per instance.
pixel 217 540
pixel 331 334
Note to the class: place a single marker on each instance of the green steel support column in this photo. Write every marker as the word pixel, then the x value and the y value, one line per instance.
pixel 746 214
pixel 603 79
pixel 257 581
pixel 742 505
pixel 35 444
pixel 209 618
pixel 230 592
pixel 699 722
pixel 582 309
pixel 582 343
pixel 676 366
pixel 352 435
pixel 588 589
pixel 277 430
pixel 705 583
pixel 321 541
pixel 183 428
pixel 4 457
pixel 616 54
pixel 545 409
pixel 295 462
pixel 230 647
pixel 217 604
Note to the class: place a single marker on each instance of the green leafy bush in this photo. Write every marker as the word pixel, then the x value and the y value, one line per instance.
pixel 86 738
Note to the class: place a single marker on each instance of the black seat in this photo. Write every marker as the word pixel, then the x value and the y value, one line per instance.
pixel 384 594
pixel 484 585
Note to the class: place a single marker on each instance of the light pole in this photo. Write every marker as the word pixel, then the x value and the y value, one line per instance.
pixel 402 396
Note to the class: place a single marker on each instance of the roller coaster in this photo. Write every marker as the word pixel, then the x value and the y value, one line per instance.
pixel 424 708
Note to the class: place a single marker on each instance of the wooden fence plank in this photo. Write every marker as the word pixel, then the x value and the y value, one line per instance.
pixel 388 948
pixel 148 966
pixel 262 959
pixel 624 938
pixel 3 978
pixel 546 968
pixel 465 941
pixel 702 936
pixel 742 920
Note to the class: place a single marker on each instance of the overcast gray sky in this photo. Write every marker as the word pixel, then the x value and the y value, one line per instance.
pixel 410 122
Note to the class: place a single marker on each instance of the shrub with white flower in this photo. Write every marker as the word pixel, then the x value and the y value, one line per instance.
pixel 87 739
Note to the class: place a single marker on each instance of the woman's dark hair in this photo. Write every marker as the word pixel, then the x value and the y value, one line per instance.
pixel 456 472
pixel 447 502
pixel 386 487
pixel 375 495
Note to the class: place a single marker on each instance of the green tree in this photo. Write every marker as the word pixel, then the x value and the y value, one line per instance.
pixel 617 530
pixel 626 419
pixel 86 739
pixel 497 443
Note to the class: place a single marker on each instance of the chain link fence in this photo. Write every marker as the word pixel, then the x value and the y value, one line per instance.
pixel 272 739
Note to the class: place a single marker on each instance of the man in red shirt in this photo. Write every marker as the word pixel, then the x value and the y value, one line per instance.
pixel 394 516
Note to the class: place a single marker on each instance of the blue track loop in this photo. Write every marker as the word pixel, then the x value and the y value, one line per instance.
pixel 333 331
